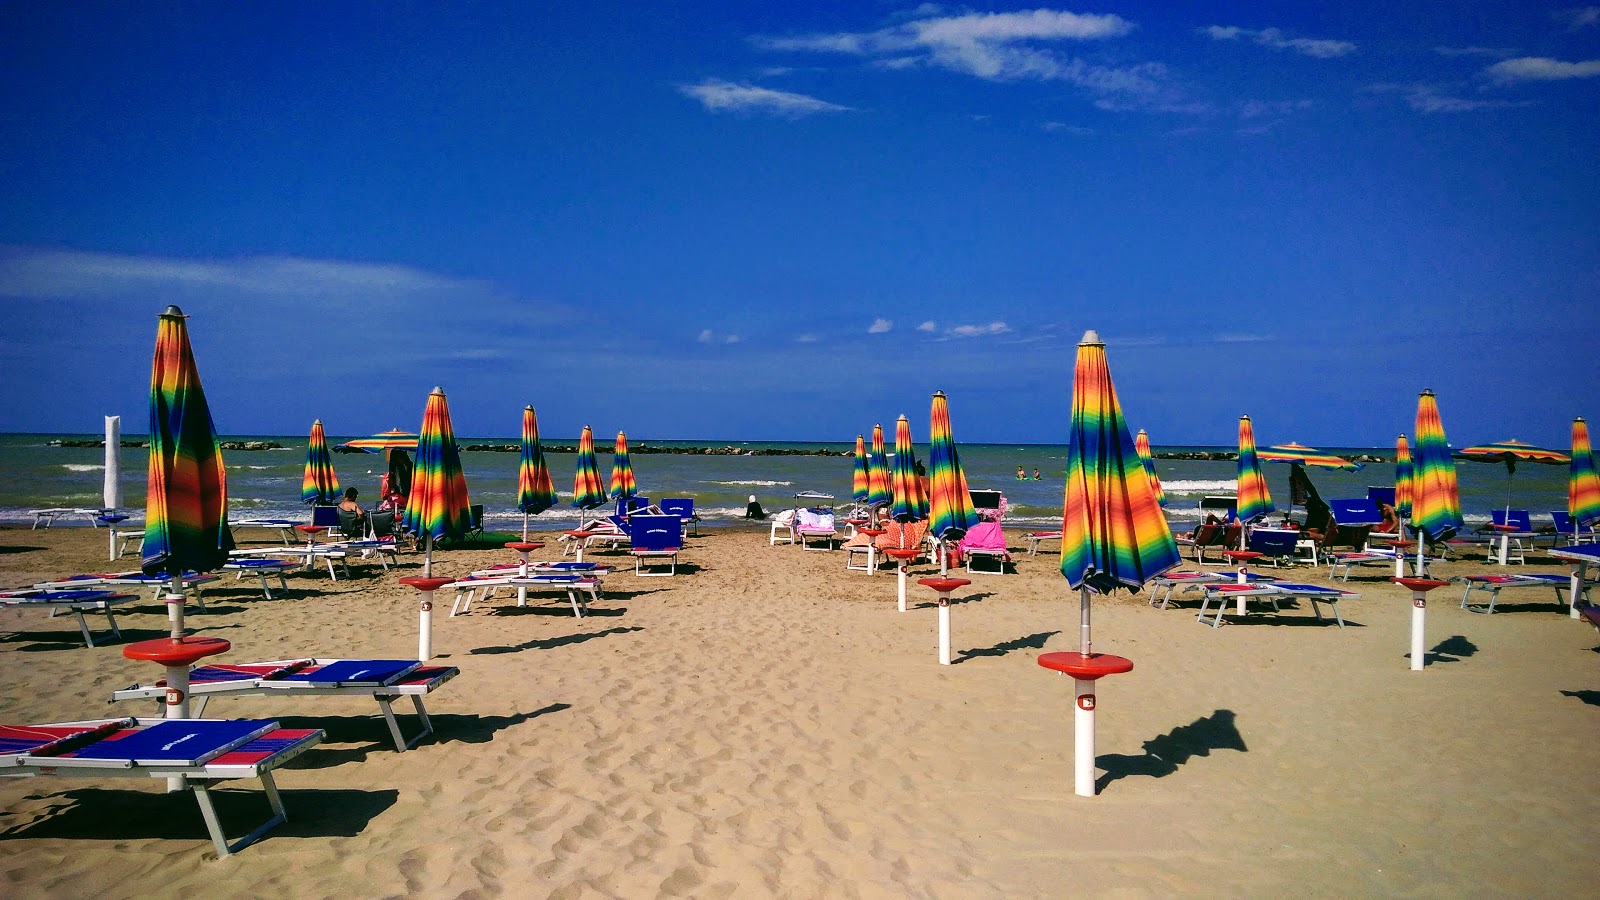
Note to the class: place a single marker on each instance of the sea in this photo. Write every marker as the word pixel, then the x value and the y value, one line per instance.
pixel 266 483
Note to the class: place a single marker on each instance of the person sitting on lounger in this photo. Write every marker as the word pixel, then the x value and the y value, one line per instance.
pixel 349 505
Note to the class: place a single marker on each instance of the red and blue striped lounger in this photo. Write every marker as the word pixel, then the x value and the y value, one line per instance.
pixel 574 582
pixel 261 568
pixel 212 750
pixel 78 601
pixel 193 584
pixel 1189 581
pixel 1273 592
pixel 1494 584
pixel 384 680
pixel 1035 538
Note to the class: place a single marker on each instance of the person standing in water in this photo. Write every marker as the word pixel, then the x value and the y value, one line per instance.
pixel 1036 475
pixel 1021 475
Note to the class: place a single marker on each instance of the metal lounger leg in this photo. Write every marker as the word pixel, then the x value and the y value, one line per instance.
pixel 111 620
pixel 83 626
pixel 208 811
pixel 401 745
pixel 265 587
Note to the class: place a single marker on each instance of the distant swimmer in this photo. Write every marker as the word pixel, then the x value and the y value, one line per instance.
pixel 1035 474
pixel 1021 475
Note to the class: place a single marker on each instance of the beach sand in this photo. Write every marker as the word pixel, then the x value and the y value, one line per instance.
pixel 767 724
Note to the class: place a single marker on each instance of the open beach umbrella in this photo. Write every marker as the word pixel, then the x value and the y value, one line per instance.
pixel 1254 498
pixel 319 484
pixel 1512 452
pixel 1113 533
pixel 858 473
pixel 1402 478
pixel 950 510
pixel 879 490
pixel 587 490
pixel 438 506
pixel 186 500
pixel 393 439
pixel 909 504
pixel 535 492
pixel 1141 446
pixel 1301 455
pixel 622 484
pixel 1583 483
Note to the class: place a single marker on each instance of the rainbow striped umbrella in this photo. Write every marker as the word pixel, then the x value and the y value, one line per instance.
pixel 1112 531
pixel 1435 497
pixel 1511 453
pixel 1299 454
pixel 1255 500
pixel 393 439
pixel 1402 478
pixel 319 484
pixel 587 490
pixel 950 510
pixel 438 506
pixel 1141 446
pixel 910 504
pixel 622 484
pixel 878 478
pixel 1583 484
pixel 186 503
pixel 858 474
pixel 535 493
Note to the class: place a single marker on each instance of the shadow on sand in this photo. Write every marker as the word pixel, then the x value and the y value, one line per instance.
pixel 1033 641
pixel 1163 754
pixel 551 643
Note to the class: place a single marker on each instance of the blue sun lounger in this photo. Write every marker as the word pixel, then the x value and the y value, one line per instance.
pixel 1273 592
pixel 384 680
pixel 77 602
pixel 656 538
pixel 200 751
pixel 1494 584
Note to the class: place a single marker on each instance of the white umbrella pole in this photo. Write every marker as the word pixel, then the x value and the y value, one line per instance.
pixel 944 558
pixel 902 580
pixel 1400 554
pixel 111 488
pixel 1419 612
pixel 1083 620
pixel 1083 738
pixel 524 534
pixel 427 558
pixel 175 612
pixel 944 629
pixel 1575 587
pixel 1244 578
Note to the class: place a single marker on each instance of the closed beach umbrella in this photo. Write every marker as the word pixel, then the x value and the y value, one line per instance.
pixel 1583 483
pixel 858 473
pixel 622 484
pixel 1402 478
pixel 1512 452
pixel 186 504
pixel 587 490
pixel 1113 533
pixel 1301 455
pixel 950 510
pixel 1141 446
pixel 1435 496
pixel 438 506
pixel 878 478
pixel 319 485
pixel 393 439
pixel 535 492
pixel 909 504
pixel 1255 500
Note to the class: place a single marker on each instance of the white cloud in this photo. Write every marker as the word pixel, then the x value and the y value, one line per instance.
pixel 1427 98
pixel 1254 109
pixel 1475 51
pixel 978 330
pixel 880 326
pixel 1541 68
pixel 1582 17
pixel 928 326
pixel 717 95
pixel 706 336
pixel 995 47
pixel 1064 128
pixel 1275 39
pixel 806 339
pixel 731 339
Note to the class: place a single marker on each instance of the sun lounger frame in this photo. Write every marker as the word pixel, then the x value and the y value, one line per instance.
pixel 1273 592
pixel 48 599
pixel 1495 583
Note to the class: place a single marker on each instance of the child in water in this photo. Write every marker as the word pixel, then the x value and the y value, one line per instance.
pixel 1035 474
pixel 1021 475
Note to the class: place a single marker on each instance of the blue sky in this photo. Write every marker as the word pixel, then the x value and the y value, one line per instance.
pixel 741 221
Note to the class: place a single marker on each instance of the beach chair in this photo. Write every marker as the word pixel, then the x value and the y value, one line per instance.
pixel 1210 536
pixel 1511 531
pixel 327 519
pixel 1586 533
pixel 77 601
pixel 1035 538
pixel 896 535
pixel 1274 544
pixel 815 524
pixel 1494 584
pixel 200 751
pixel 574 583
pixel 194 584
pixel 384 680
pixel 307 554
pixel 683 508
pixel 656 538
pixel 986 540
pixel 47 517
pixel 284 528
pixel 262 568
pixel 1191 581
pixel 782 527
pixel 1348 524
pixel 1274 592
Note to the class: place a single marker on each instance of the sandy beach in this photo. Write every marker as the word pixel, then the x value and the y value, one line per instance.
pixel 768 724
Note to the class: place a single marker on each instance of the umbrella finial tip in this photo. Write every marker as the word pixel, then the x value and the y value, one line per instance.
pixel 173 310
pixel 1091 337
pixel 437 389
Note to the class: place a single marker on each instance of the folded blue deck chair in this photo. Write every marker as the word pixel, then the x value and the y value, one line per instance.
pixel 1276 544
pixel 1565 534
pixel 656 538
pixel 683 508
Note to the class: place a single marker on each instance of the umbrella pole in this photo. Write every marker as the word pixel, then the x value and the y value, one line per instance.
pixel 175 612
pixel 427 558
pixel 524 534
pixel 1083 630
